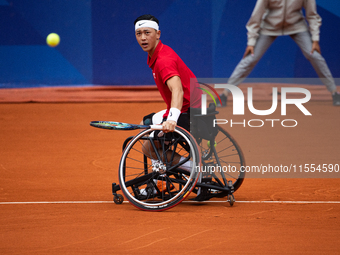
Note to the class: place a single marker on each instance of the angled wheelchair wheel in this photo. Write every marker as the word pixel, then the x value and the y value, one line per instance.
pixel 156 172
pixel 222 162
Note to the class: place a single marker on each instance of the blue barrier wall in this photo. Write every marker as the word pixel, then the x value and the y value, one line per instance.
pixel 26 60
pixel 98 45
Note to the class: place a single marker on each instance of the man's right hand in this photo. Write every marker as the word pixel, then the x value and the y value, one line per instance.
pixel 169 126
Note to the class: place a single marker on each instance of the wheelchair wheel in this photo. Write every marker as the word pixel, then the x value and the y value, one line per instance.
pixel 222 161
pixel 156 172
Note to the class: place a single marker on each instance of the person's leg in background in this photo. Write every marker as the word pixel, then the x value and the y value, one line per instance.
pixel 247 64
pixel 304 41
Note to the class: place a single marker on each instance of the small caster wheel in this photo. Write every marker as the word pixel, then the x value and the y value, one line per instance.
pixel 118 199
pixel 231 199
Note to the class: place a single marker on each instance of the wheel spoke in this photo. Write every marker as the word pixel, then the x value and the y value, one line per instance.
pixel 149 172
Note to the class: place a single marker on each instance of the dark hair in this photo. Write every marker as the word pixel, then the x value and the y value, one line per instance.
pixel 147 17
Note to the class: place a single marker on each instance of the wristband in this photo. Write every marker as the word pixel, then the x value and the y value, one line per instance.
pixel 174 114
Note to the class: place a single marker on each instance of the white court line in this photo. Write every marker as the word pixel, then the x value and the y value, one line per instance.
pixel 291 202
pixel 220 201
pixel 271 202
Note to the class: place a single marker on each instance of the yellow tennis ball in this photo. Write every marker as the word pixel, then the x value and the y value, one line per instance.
pixel 53 40
pixel 208 143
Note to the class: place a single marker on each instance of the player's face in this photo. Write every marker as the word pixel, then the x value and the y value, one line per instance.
pixel 148 39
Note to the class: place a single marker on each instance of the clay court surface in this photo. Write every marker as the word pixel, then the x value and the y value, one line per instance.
pixel 56 175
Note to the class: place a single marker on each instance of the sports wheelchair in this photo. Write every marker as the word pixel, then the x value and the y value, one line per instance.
pixel 157 172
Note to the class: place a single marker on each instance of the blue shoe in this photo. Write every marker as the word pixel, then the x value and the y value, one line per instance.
pixel 223 100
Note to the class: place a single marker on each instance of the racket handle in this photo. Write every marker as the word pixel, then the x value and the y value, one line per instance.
pixel 156 127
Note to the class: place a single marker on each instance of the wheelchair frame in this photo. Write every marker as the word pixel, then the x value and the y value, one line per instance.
pixel 207 184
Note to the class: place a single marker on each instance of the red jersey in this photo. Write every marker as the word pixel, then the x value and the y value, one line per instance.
pixel 165 63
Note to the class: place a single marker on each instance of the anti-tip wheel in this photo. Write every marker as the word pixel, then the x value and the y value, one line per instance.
pixel 231 199
pixel 118 199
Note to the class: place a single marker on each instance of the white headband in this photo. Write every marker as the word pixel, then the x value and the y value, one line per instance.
pixel 147 23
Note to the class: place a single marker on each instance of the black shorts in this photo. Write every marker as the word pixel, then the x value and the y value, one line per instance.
pixel 183 120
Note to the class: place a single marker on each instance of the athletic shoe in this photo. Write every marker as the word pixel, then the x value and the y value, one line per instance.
pixel 336 99
pixel 223 100
pixel 151 190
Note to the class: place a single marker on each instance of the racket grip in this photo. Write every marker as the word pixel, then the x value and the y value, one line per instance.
pixel 156 127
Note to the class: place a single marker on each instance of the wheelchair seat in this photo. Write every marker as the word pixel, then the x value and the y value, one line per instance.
pixel 202 125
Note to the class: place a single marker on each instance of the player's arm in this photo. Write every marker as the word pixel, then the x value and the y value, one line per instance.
pixel 175 86
pixel 314 21
pixel 253 25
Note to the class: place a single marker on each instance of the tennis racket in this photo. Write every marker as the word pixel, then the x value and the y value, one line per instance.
pixel 122 126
